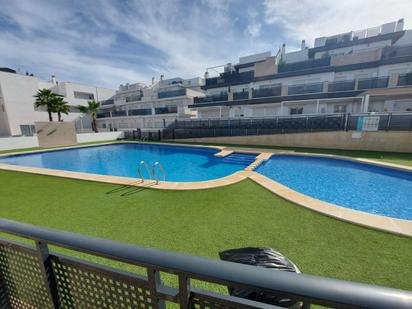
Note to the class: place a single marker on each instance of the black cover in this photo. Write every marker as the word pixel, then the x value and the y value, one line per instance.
pixel 263 257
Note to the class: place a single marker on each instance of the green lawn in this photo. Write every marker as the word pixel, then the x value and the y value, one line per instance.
pixel 206 221
pixel 391 157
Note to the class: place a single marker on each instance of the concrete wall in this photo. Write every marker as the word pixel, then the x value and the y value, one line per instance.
pixel 51 134
pixel 375 141
pixel 7 143
pixel 267 67
pixel 97 137
pixel 359 57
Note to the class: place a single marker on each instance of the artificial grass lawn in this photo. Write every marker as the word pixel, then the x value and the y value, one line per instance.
pixel 205 222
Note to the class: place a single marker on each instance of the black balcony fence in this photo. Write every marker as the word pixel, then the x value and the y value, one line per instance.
pixel 119 113
pixel 103 115
pixel 140 112
pixel 347 85
pixel 305 88
pixel 374 82
pixel 304 65
pixel 243 95
pixel 34 277
pixel 230 78
pixel 214 98
pixel 405 79
pixel 283 124
pixel 267 92
pixel 171 94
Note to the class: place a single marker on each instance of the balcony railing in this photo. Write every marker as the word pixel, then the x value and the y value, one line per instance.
pixel 140 112
pixel 375 82
pixel 396 51
pixel 267 92
pixel 133 98
pixel 305 88
pixel 170 94
pixel 231 78
pixel 215 98
pixel 304 65
pixel 405 80
pixel 34 277
pixel 244 95
pixel 347 85
pixel 119 113
pixel 103 115
pixel 166 110
pixel 107 102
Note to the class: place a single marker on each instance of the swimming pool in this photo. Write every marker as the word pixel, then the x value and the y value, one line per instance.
pixel 364 187
pixel 182 164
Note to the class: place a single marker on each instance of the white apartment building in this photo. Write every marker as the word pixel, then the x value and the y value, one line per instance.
pixel 138 106
pixel 17 111
pixel 366 70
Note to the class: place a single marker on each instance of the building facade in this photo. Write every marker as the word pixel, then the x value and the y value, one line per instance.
pixel 153 107
pixel 17 111
pixel 360 71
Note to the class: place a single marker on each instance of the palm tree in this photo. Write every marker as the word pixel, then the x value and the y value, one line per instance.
pixel 60 107
pixel 91 109
pixel 45 98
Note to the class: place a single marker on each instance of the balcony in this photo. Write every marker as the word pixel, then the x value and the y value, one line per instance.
pixel 140 112
pixel 166 110
pixel 208 99
pixel 244 95
pixel 305 88
pixel 405 80
pixel 119 113
pixel 267 92
pixel 170 94
pixel 103 115
pixel 396 51
pixel 107 102
pixel 133 98
pixel 348 85
pixel 304 65
pixel 230 78
pixel 374 82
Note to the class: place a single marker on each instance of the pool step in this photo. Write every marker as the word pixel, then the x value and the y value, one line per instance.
pixel 240 158
pixel 259 160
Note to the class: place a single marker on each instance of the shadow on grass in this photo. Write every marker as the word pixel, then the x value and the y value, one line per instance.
pixel 127 190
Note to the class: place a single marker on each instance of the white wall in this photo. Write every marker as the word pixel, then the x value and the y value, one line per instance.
pixel 97 137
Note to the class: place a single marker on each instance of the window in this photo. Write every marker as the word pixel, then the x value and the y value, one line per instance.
pixel 339 108
pixel 83 95
pixel 27 129
pixel 296 110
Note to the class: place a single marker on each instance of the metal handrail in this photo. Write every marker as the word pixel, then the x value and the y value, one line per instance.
pixel 157 163
pixel 308 288
pixel 139 170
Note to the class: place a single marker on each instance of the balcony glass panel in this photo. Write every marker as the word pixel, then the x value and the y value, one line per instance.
pixel 118 113
pixel 405 80
pixel 215 98
pixel 103 115
pixel 107 102
pixel 173 93
pixel 166 110
pixel 267 92
pixel 244 95
pixel 346 85
pixel 375 82
pixel 140 112
pixel 305 88
pixel 231 78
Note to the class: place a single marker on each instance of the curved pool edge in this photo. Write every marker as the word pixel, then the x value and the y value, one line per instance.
pixel 387 224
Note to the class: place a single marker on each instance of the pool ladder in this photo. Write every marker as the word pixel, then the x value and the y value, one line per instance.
pixel 152 175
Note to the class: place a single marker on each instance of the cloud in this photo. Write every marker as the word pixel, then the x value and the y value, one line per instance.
pixel 306 19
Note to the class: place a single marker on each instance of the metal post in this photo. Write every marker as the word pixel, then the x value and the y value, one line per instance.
pixel 388 124
pixel 346 122
pixel 154 283
pixel 184 291
pixel 47 273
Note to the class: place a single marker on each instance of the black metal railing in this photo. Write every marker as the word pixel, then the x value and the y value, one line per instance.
pixel 196 128
pixel 230 78
pixel 34 277
pixel 172 93
pixel 374 82
pixel 305 88
pixel 347 85
pixel 267 92
pixel 213 98
pixel 405 79
pixel 243 95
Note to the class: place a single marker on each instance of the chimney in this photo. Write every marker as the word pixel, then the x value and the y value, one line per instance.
pixel 53 80
pixel 153 80
pixel 303 45
pixel 206 75
pixel 283 49
pixel 161 77
pixel 400 24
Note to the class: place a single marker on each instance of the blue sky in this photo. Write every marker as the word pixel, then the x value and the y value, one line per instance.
pixel 107 43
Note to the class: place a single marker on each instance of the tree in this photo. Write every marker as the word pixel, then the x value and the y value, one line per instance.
pixel 91 109
pixel 45 98
pixel 60 107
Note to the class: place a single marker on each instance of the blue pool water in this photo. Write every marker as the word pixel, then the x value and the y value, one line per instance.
pixel 359 186
pixel 180 163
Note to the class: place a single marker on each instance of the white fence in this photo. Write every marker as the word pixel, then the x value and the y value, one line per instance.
pixel 20 142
